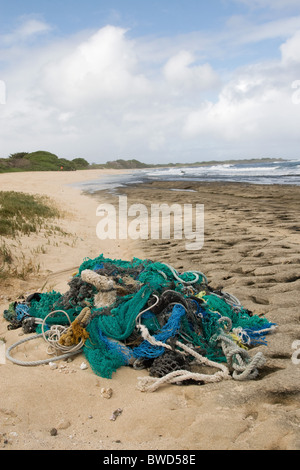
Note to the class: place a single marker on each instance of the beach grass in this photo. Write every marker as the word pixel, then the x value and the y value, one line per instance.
pixel 22 215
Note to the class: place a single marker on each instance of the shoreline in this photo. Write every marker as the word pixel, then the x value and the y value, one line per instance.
pixel 251 249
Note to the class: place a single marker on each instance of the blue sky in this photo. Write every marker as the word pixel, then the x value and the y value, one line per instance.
pixel 158 81
pixel 158 17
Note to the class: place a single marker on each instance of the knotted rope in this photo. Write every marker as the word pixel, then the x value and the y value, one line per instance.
pixel 243 366
pixel 150 384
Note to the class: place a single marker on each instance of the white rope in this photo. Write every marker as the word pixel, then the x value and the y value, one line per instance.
pixel 150 384
pixel 52 337
pixel 195 273
pixel 244 367
pixel 35 363
pixel 138 318
pixel 242 335
pixel 229 299
pixel 271 329
pixel 244 338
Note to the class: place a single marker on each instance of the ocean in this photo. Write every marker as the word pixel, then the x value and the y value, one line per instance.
pixel 277 172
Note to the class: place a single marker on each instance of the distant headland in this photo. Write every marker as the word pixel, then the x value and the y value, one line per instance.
pixel 46 161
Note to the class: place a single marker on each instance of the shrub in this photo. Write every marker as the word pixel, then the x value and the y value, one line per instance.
pixel 80 163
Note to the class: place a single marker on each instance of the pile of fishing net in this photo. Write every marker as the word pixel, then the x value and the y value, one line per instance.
pixel 146 315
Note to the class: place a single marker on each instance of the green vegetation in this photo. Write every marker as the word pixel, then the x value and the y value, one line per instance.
pixel 125 164
pixel 46 161
pixel 135 164
pixel 40 161
pixel 23 213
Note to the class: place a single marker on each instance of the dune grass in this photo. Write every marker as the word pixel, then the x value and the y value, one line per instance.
pixel 21 214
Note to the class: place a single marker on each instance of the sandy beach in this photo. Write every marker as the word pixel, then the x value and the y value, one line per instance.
pixel 251 250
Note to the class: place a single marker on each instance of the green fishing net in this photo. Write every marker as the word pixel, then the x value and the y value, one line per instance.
pixel 114 339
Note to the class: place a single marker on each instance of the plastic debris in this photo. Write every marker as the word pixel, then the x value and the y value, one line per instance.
pixel 146 315
pixel 115 414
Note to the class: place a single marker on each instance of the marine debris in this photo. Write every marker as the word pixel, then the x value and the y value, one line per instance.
pixel 146 315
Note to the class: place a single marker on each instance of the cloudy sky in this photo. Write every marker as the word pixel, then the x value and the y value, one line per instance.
pixel 159 81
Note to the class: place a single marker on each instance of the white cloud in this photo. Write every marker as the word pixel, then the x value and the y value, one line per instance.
pixel 280 28
pixel 94 95
pixel 32 27
pixel 181 74
pixel 254 113
pixel 290 50
pixel 28 28
pixel 102 67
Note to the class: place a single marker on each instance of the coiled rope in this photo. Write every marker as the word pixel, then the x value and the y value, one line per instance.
pixel 52 337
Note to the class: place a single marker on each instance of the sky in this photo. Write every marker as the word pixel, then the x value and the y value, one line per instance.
pixel 159 81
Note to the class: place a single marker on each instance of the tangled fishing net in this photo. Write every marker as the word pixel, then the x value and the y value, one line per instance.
pixel 146 315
